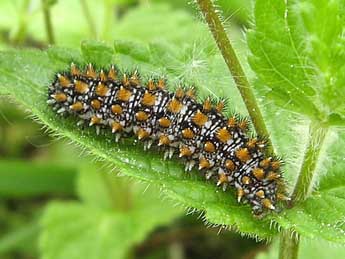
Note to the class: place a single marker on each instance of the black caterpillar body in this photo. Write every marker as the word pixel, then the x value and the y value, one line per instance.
pixel 176 122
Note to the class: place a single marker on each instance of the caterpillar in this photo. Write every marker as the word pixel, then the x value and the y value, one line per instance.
pixel 176 123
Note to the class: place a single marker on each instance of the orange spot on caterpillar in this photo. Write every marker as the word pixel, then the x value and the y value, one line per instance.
pixel 81 87
pixel 141 116
pixel 245 180
pixel 243 154
pixel 60 97
pixel 161 83
pixel 232 122
pixel 123 94
pixel 187 133
pixel 191 93
pixel 275 165
pixel 116 109
pixel 243 125
pixel 209 147
pixel 199 118
pixel 185 152
pixel 207 105
pixel 179 93
pixel 95 120
pixel 163 140
pixel 64 81
pixel 229 164
pixel 96 104
pixel 240 194
pixel 112 75
pixel 151 85
pixel 134 79
pixel 164 122
pixel 90 72
pixel 74 70
pixel 259 173
pixel 102 90
pixel 148 99
pixel 260 194
pixel 267 204
pixel 222 178
pixel 272 176
pixel 220 106
pixel 116 127
pixel 125 80
pixel 282 197
pixel 265 163
pixel 223 135
pixel 251 144
pixel 204 163
pixel 102 76
pixel 142 134
pixel 77 106
pixel 174 106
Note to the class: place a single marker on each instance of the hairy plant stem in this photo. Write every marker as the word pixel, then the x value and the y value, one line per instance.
pixel 289 241
pixel 289 244
pixel 317 134
pixel 213 20
pixel 48 22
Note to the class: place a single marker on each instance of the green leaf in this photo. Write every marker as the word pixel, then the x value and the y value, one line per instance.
pixel 25 179
pixel 73 230
pixel 25 75
pixel 115 214
pixel 133 49
pixel 298 52
pixel 97 53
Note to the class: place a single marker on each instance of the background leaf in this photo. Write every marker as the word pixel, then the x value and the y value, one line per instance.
pixel 116 233
pixel 103 225
pixel 24 179
pixel 286 43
